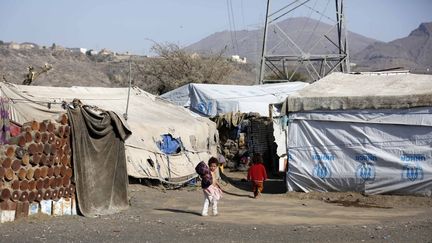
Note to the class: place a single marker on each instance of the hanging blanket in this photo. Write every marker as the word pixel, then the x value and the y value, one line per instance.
pixel 98 156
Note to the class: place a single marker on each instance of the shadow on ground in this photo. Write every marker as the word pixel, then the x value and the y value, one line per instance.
pixel 178 211
pixel 274 185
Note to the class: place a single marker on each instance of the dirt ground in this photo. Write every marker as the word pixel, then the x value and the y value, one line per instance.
pixel 160 215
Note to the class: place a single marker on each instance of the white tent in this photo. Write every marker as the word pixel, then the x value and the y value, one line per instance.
pixel 367 132
pixel 149 117
pixel 213 99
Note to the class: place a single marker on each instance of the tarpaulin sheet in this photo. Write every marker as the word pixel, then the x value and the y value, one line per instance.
pixel 369 151
pixel 98 155
pixel 214 99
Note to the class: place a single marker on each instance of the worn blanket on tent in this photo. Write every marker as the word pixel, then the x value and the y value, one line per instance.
pixel 99 161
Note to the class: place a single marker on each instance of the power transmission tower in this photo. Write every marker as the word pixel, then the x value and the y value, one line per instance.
pixel 301 57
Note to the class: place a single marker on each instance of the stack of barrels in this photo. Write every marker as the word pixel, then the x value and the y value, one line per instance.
pixel 36 164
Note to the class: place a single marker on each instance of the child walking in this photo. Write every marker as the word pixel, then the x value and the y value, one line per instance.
pixel 209 183
pixel 257 175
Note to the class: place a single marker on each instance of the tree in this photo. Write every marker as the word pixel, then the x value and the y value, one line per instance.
pixel 174 67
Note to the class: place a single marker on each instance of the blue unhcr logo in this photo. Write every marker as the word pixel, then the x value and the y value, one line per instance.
pixel 205 108
pixel 412 172
pixel 366 171
pixel 321 170
pixel 412 169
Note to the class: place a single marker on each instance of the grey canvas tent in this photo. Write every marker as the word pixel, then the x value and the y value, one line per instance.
pixel 370 133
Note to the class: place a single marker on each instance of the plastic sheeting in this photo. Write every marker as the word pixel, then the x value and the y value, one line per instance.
pixel 340 91
pixel 369 151
pixel 148 118
pixel 214 99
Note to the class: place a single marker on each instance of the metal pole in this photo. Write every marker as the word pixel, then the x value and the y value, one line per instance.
pixel 130 84
pixel 347 59
pixel 262 69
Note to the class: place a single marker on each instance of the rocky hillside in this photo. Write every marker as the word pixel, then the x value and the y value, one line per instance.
pixel 105 69
pixel 304 31
pixel 411 52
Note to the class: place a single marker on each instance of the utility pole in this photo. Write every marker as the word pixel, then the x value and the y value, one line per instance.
pixel 302 59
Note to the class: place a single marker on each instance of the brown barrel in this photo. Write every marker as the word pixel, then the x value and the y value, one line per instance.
pixel 32 185
pixel 53 183
pixel 66 192
pixel 66 131
pixel 60 131
pixel 7 162
pixel 72 188
pixel 32 148
pixel 22 173
pixel 31 196
pixel 62 119
pixel 36 136
pixel 2 173
pixel 35 159
pixel 59 181
pixel 42 127
pixel 44 137
pixel 50 172
pixel 66 149
pixel 39 195
pixel 50 127
pixel 9 151
pixel 15 185
pixel 25 159
pixel 43 159
pixel 15 196
pixel 54 194
pixel 40 147
pixel 66 181
pixel 50 160
pixel 51 138
pixel 63 170
pixel 57 159
pixel 39 184
pixel 64 160
pixel 56 171
pixel 24 185
pixel 44 172
pixel 47 148
pixel 60 192
pixel 53 149
pixel 36 174
pixel 20 152
pixel 5 194
pixel 30 126
pixel 24 197
pixel 46 183
pixel 16 165
pixel 29 173
pixel 47 194
pixel 28 137
pixel 9 174
pixel 57 143
pixel 69 172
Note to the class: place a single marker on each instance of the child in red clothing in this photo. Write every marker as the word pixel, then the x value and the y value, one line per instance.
pixel 257 174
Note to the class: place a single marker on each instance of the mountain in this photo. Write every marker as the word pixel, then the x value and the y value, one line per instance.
pixel 304 31
pixel 411 52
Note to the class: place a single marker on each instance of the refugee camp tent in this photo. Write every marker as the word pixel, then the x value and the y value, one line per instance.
pixel 370 133
pixel 167 141
pixel 213 99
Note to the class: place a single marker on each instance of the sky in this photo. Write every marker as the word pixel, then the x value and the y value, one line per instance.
pixel 134 25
